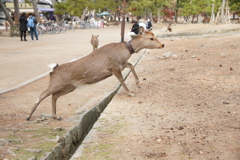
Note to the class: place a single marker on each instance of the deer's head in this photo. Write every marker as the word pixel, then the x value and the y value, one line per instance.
pixel 146 39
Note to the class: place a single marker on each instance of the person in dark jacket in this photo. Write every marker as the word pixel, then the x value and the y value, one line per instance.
pixel 134 30
pixel 135 27
pixel 23 26
pixel 34 29
pixel 149 26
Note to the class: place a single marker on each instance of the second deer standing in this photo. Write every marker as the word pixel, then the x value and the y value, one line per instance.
pixel 94 42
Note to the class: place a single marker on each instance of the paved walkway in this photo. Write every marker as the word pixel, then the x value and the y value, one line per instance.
pixel 22 62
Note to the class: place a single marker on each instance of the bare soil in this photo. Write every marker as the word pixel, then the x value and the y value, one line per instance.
pixel 187 108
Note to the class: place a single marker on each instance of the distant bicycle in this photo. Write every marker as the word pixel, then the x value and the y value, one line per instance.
pixel 71 26
pixel 63 27
pixel 84 25
pixel 49 28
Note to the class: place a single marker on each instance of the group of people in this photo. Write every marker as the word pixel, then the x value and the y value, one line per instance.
pixel 135 28
pixel 23 20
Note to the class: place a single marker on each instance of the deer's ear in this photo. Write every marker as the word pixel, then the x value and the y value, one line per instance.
pixel 141 30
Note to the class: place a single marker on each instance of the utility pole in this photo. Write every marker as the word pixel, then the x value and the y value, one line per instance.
pixel 16 11
pixel 123 21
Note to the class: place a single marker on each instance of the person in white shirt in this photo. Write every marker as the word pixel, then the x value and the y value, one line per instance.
pixel 141 24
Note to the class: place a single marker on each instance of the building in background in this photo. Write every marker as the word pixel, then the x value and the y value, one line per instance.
pixel 44 7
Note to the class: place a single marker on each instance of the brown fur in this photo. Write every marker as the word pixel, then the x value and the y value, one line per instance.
pixel 94 42
pixel 108 60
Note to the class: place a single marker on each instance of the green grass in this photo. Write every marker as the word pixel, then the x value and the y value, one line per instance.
pixel 34 139
pixel 102 149
pixel 99 152
pixel 45 132
pixel 23 154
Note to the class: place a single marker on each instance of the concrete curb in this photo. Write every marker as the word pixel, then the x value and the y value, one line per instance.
pixel 198 33
pixel 75 136
pixel 24 83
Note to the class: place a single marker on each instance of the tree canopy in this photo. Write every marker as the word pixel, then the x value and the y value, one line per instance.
pixel 140 7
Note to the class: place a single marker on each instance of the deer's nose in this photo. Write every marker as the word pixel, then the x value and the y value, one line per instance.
pixel 162 45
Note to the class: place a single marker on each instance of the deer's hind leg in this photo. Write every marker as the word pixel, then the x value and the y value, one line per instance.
pixel 56 95
pixel 44 95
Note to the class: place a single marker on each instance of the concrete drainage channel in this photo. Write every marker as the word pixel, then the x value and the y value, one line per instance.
pixel 73 139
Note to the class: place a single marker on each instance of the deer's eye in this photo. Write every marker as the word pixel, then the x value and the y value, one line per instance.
pixel 151 39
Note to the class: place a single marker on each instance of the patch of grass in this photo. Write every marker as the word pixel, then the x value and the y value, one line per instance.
pixel 23 154
pixel 118 125
pixel 102 150
pixel 45 132
pixel 103 120
pixel 16 142
pixel 97 151
pixel 111 129
pixel 44 146
pixel 35 139
pixel 12 136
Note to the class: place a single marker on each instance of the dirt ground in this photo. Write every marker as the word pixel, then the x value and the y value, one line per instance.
pixel 187 108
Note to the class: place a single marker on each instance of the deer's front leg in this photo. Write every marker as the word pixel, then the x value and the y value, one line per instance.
pixel 130 66
pixel 119 76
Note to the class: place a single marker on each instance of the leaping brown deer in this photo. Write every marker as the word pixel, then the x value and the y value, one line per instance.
pixel 102 63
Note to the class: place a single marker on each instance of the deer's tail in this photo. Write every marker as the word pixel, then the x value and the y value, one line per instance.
pixel 52 66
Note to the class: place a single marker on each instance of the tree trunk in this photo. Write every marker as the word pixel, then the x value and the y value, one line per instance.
pixel 222 12
pixel 16 13
pixel 58 19
pixel 151 16
pixel 176 10
pixel 35 10
pixel 9 19
pixel 84 14
pixel 159 16
pixel 212 19
pixel 193 18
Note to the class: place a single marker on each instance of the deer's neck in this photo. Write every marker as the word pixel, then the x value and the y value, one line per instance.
pixel 130 48
pixel 136 45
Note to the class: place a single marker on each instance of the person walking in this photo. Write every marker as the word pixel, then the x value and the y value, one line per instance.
pixel 33 30
pixel 23 26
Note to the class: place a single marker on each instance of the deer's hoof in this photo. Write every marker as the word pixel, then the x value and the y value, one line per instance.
pixel 56 117
pixel 131 95
pixel 28 119
pixel 138 84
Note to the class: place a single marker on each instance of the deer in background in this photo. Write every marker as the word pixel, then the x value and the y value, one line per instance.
pixel 94 42
pixel 102 63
